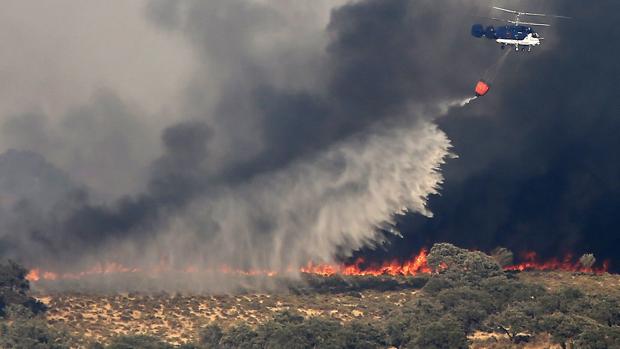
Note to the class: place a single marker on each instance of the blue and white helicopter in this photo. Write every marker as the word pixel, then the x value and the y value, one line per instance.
pixel 518 33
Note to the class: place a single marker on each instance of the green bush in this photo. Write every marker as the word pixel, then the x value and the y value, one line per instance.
pixel 241 337
pixel 504 291
pixel 446 333
pixel 210 336
pixel 14 288
pixel 31 334
pixel 517 318
pixel 469 306
pixel 587 260
pixel 503 256
pixel 290 330
pixel 562 327
pixel 604 309
pixel 322 332
pixel 600 337
pixel 460 267
pixel 137 341
pixel 357 334
pixel 408 320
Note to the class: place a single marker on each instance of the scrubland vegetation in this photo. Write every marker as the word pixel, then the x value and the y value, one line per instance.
pixel 468 301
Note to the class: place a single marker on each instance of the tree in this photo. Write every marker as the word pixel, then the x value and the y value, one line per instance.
pixel 274 334
pixel 600 337
pixel 322 332
pixel 31 334
pixel 14 288
pixel 563 328
pixel 587 260
pixel 503 256
pixel 504 291
pixel 407 321
pixel 238 337
pixel 445 333
pixel 461 267
pixel 469 306
pixel 210 336
pixel 603 309
pixel 357 334
pixel 517 318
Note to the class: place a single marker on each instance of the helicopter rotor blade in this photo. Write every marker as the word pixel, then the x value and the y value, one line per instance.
pixel 530 23
pixel 506 10
pixel 495 19
pixel 518 13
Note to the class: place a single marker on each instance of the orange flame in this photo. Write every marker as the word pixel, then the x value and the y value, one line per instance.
pixel 414 266
pixel 532 262
pixel 33 275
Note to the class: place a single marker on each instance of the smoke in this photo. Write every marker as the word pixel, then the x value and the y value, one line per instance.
pixel 311 209
pixel 536 170
pixel 300 136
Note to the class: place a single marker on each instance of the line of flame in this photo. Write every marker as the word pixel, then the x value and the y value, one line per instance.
pixel 414 266
pixel 531 261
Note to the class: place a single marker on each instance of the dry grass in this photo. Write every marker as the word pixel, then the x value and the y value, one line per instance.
pixel 588 283
pixel 179 318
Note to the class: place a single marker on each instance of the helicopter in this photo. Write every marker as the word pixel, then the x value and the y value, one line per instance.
pixel 518 33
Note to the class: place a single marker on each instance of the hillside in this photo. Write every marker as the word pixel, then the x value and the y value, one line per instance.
pixel 179 318
pixel 467 301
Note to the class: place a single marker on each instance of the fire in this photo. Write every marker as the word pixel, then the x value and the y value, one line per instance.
pixel 33 275
pixel 360 267
pixel 531 261
pixel 37 274
pixel 414 266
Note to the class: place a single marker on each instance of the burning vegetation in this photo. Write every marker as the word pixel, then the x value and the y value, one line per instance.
pixel 445 297
pixel 416 265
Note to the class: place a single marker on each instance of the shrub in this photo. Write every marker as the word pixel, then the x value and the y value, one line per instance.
pixel 210 336
pixel 290 330
pixel 14 288
pixel 461 267
pixel 445 333
pixel 238 337
pixel 517 318
pixel 322 332
pixel 600 337
pixel 31 334
pixel 469 306
pixel 563 328
pixel 137 341
pixel 407 321
pixel 603 309
pixel 587 260
pixel 503 256
pixel 504 291
pixel 357 334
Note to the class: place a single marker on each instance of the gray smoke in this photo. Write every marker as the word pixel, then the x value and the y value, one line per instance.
pixel 295 140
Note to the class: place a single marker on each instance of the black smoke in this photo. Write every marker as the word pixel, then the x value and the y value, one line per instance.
pixel 538 163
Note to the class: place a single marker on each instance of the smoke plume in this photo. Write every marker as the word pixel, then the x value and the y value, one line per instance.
pixel 299 136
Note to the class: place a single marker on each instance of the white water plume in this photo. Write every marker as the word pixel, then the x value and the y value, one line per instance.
pixel 315 209
pixel 444 107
